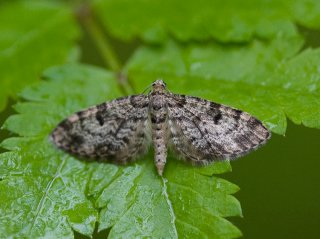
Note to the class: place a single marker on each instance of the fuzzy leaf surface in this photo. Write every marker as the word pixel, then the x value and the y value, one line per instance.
pixel 222 20
pixel 34 35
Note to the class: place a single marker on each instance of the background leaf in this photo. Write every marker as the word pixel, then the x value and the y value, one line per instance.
pixel 226 21
pixel 34 35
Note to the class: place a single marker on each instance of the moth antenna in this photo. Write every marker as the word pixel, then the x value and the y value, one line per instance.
pixel 147 88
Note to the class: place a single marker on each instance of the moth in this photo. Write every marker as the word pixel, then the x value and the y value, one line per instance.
pixel 200 131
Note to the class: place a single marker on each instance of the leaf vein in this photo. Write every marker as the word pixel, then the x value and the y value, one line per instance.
pixel 45 195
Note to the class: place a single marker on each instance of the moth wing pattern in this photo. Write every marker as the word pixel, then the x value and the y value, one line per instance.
pixel 204 131
pixel 114 131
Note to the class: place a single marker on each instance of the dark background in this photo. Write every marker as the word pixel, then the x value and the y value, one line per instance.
pixel 280 184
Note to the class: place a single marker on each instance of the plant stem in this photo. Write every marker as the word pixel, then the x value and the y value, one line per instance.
pixel 106 51
pixel 99 38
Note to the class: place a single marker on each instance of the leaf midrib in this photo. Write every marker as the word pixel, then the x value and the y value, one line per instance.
pixel 45 194
pixel 171 210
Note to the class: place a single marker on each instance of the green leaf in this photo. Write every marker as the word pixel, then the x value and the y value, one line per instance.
pixel 223 20
pixel 268 79
pixel 307 13
pixel 43 190
pixel 46 193
pixel 34 35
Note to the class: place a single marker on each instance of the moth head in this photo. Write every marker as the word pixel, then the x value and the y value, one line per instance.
pixel 159 85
